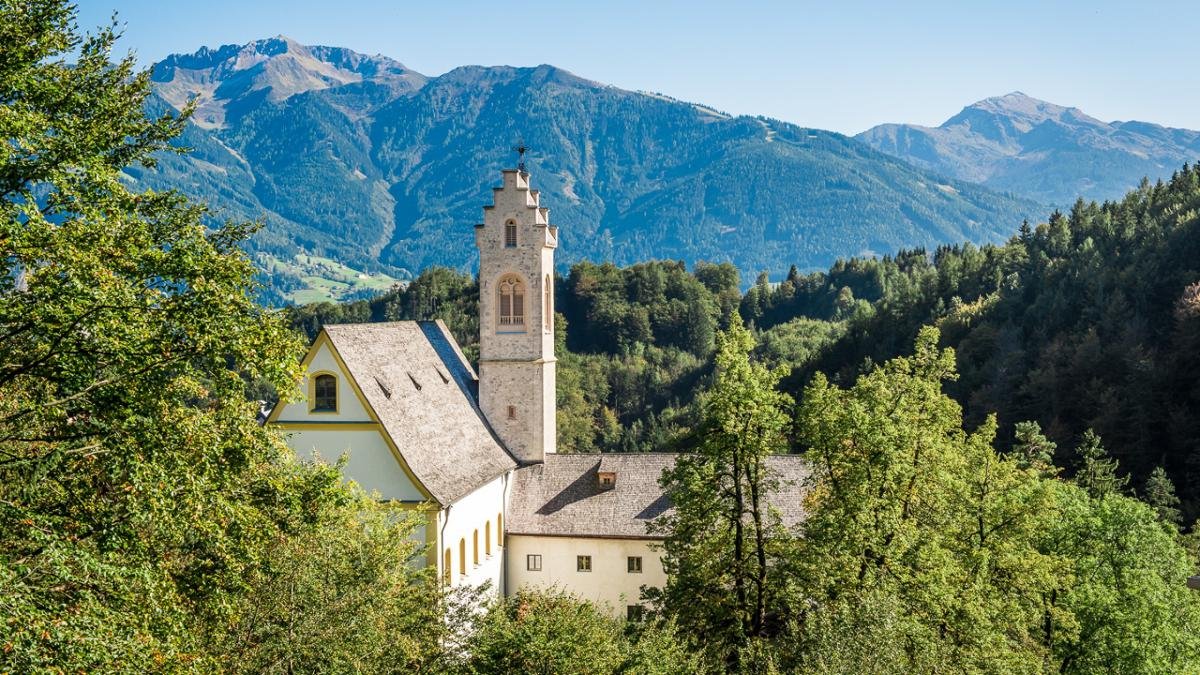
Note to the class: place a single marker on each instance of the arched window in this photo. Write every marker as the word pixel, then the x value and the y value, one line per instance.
pixel 510 234
pixel 487 537
pixel 475 547
pixel 549 310
pixel 462 557
pixel 446 569
pixel 499 530
pixel 325 393
pixel 512 302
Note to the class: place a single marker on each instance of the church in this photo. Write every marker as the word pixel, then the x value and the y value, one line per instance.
pixel 475 450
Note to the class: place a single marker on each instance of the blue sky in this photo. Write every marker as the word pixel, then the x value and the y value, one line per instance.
pixel 833 65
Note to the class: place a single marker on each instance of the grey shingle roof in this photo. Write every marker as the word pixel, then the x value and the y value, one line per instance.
pixel 422 388
pixel 562 497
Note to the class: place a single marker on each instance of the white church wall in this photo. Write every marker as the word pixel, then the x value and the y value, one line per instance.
pixel 479 511
pixel 609 583
pixel 370 463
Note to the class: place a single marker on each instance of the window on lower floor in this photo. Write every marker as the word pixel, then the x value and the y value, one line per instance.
pixel 634 612
pixel 533 562
pixel 583 563
pixel 635 563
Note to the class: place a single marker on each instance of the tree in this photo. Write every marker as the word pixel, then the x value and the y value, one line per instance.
pixel 1160 495
pixel 918 533
pixel 1031 447
pixel 141 504
pixel 1097 472
pixel 335 596
pixel 723 545
pixel 553 632
pixel 1129 609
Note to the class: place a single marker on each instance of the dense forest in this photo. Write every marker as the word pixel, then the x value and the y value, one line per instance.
pixel 149 523
pixel 1088 321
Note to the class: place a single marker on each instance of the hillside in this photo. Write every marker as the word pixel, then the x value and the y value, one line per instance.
pixel 1088 321
pixel 1044 151
pixel 363 161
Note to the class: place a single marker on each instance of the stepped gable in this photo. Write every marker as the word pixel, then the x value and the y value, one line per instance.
pixel 564 496
pixel 422 389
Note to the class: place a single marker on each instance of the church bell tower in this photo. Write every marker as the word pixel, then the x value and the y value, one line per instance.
pixel 516 317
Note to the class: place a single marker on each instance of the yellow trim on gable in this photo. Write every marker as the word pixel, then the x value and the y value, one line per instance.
pixel 328 426
pixel 323 340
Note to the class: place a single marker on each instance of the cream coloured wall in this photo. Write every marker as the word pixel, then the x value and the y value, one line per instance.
pixel 460 521
pixel 370 463
pixel 609 583
pixel 350 408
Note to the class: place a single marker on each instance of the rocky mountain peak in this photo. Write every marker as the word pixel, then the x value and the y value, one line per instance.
pixel 274 68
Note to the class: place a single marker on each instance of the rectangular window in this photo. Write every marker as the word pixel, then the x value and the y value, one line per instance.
pixel 533 563
pixel 635 564
pixel 633 612
pixel 583 563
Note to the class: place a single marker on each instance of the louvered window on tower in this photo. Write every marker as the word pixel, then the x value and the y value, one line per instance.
pixel 510 235
pixel 512 303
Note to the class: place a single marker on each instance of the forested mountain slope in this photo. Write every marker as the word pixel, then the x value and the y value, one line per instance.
pixel 1091 320
pixel 361 160
pixel 1088 321
pixel 1044 151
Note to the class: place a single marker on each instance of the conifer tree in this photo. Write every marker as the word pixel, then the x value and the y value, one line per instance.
pixel 1160 494
pixel 1097 472
pixel 1032 448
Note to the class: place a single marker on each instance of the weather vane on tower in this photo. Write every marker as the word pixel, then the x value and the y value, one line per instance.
pixel 521 149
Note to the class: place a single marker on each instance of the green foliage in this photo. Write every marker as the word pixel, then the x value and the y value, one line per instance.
pixel 1089 320
pixel 144 514
pixel 1097 472
pixel 553 632
pixel 924 549
pixel 336 596
pixel 723 543
pixel 1159 493
pixel 1031 448
pixel 918 531
pixel 1129 606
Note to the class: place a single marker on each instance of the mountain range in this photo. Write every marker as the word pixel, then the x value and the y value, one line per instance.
pixel 358 161
pixel 1047 152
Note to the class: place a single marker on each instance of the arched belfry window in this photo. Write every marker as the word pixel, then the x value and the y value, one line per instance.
pixel 510 234
pixel 548 311
pixel 511 293
pixel 324 393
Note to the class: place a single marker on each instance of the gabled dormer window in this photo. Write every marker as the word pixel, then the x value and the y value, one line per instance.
pixel 324 393
pixel 510 235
